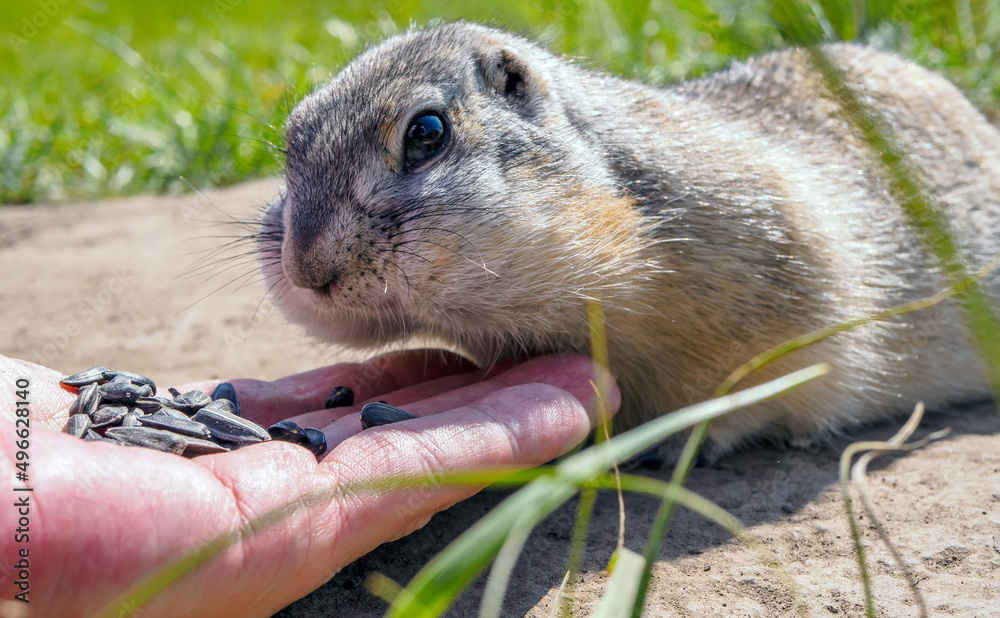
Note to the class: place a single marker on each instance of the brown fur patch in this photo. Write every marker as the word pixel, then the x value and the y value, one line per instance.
pixel 610 225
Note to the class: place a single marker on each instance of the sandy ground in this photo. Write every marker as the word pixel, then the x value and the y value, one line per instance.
pixel 103 283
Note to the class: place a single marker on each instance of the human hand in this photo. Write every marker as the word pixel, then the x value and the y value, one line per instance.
pixel 103 517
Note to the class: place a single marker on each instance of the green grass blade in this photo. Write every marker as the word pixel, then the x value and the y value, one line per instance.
pixel 625 446
pixel 435 587
pixel 585 505
pixel 619 594
pixel 664 514
pixel 577 546
pixel 503 566
pixel 921 212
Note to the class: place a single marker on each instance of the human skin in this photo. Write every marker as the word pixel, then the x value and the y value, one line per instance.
pixel 103 516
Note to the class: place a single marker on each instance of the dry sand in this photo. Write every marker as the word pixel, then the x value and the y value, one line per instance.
pixel 101 283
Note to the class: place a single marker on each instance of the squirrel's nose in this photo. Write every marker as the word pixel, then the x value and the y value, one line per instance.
pixel 313 267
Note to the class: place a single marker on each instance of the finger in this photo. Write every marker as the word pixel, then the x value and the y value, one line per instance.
pixel 575 374
pixel 517 426
pixel 24 381
pixel 269 402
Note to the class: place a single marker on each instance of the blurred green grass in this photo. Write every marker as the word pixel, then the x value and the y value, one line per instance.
pixel 110 98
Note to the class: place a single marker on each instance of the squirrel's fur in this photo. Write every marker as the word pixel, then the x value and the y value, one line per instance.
pixel 712 219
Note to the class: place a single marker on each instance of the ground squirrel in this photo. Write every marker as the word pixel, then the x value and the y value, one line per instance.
pixel 464 184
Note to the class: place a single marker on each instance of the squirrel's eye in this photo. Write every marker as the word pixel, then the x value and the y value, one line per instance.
pixel 426 137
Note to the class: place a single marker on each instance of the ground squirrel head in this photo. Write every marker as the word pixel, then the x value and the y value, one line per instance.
pixel 435 186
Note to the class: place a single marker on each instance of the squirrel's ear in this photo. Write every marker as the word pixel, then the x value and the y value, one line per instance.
pixel 509 75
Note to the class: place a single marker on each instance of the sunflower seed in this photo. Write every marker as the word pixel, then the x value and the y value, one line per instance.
pixel 310 438
pixel 183 426
pixel 149 405
pixel 108 414
pixel 150 438
pixel 93 436
pixel 189 402
pixel 125 406
pixel 286 431
pixel 227 391
pixel 339 397
pixel 77 425
pixel 90 376
pixel 227 426
pixel 381 413
pixel 87 400
pixel 197 447
pixel 121 390
pixel 134 378
pixel 316 441
pixel 222 405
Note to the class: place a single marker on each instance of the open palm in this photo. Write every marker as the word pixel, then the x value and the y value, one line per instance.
pixel 104 516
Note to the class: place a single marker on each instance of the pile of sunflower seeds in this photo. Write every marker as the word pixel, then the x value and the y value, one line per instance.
pixel 122 407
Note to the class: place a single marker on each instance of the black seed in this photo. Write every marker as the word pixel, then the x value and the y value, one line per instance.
pixel 131 419
pixel 339 397
pixel 78 425
pixel 197 447
pixel 121 390
pixel 316 441
pixel 173 413
pixel 189 402
pixel 90 376
pixel 286 431
pixel 226 426
pixel 381 413
pixel 227 391
pixel 148 437
pixel 87 400
pixel 108 414
pixel 149 404
pixel 93 436
pixel 134 378
pixel 183 426
pixel 310 438
pixel 222 405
